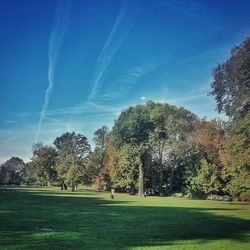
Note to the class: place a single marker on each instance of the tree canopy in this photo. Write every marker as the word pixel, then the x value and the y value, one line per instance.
pixel 231 84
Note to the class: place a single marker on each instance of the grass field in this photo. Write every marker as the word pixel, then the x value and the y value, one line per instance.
pixel 91 220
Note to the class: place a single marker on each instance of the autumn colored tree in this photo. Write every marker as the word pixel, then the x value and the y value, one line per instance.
pixel 231 89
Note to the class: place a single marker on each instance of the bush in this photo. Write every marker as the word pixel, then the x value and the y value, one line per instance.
pixel 215 197
pixel 227 198
pixel 177 195
pixel 196 194
pixel 245 196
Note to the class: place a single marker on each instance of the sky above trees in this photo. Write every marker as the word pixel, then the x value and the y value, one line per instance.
pixel 74 65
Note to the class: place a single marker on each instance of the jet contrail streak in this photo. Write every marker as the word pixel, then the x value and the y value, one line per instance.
pixel 111 45
pixel 58 31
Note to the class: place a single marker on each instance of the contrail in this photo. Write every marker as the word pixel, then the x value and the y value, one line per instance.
pixel 58 31
pixel 112 44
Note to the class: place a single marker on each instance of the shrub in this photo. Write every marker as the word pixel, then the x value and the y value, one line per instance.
pixel 245 196
pixel 196 194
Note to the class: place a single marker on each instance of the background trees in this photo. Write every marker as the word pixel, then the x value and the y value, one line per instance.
pixel 42 167
pixel 157 147
pixel 12 171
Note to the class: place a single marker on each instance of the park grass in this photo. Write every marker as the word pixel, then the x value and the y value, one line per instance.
pixel 91 220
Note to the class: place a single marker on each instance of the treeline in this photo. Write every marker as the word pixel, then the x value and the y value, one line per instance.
pixel 158 148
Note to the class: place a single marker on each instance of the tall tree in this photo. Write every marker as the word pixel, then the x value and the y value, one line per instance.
pixel 231 89
pixel 99 156
pixel 168 140
pixel 133 128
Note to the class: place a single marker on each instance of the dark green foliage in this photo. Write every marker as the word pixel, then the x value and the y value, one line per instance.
pixel 207 179
pixel 42 167
pixel 72 144
pixel 133 128
pixel 99 157
pixel 74 150
pixel 231 85
pixel 231 89
pixel 12 171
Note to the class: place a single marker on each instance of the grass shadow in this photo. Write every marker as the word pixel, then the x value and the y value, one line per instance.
pixel 91 222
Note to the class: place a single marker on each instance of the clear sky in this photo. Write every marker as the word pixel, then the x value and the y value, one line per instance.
pixel 73 65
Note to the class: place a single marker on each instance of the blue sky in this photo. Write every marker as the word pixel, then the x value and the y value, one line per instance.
pixel 73 65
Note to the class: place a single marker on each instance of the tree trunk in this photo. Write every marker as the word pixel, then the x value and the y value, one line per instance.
pixel 141 179
pixel 161 180
pixel 171 180
pixel 73 187
pixel 132 189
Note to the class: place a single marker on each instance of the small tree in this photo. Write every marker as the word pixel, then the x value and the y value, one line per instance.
pixel 207 179
pixel 12 171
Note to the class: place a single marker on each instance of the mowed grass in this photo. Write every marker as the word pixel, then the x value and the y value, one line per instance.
pixel 91 220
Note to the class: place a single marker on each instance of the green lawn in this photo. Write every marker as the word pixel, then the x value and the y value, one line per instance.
pixel 91 220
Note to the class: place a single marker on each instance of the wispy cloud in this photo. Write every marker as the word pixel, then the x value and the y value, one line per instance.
pixel 127 81
pixel 58 31
pixel 194 10
pixel 118 33
pixel 24 114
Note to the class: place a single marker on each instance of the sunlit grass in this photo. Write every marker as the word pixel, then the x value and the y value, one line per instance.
pixel 91 220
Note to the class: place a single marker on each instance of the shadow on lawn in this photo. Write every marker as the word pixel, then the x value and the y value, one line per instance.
pixel 94 223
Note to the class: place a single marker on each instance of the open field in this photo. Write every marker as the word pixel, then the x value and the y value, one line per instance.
pixel 53 219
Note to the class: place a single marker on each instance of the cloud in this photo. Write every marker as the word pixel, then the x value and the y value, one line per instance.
pixel 128 80
pixel 24 114
pixel 58 31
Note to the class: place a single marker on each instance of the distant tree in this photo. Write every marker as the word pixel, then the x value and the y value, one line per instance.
pixel 12 171
pixel 42 166
pixel 231 84
pixel 72 144
pixel 73 150
pixel 71 171
pixel 99 156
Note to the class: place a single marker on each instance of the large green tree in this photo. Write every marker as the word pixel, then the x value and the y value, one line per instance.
pixel 168 140
pixel 73 150
pixel 133 128
pixel 42 167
